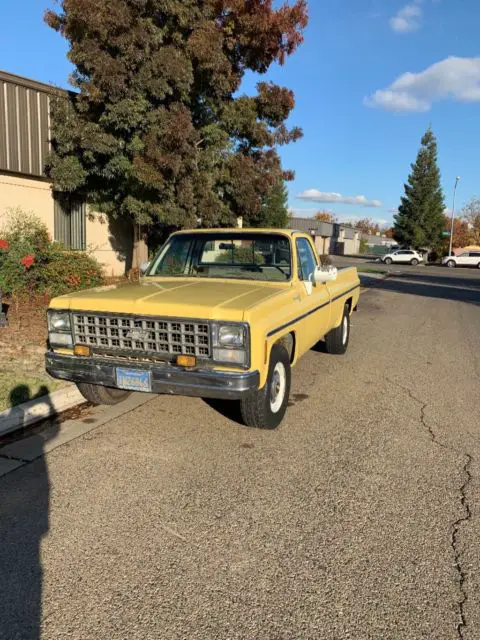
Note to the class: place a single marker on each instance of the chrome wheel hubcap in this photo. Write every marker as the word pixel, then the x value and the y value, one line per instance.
pixel 345 330
pixel 278 387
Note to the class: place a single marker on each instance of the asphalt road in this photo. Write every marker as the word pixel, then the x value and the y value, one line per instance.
pixel 358 518
pixel 467 273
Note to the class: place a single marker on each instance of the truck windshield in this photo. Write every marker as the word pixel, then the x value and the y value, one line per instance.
pixel 242 256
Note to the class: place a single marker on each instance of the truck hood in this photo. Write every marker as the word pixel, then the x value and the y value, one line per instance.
pixel 186 298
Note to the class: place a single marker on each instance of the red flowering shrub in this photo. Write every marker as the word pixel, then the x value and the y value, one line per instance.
pixel 69 270
pixel 31 263
pixel 28 261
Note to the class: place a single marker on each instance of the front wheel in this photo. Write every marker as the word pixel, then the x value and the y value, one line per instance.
pixel 388 261
pixel 451 264
pixel 337 340
pixel 96 394
pixel 266 408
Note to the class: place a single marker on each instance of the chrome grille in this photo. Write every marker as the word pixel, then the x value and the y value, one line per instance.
pixel 151 335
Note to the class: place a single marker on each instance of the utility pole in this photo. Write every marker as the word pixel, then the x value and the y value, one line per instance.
pixel 457 180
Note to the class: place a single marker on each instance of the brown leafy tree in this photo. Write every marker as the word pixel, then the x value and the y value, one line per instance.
pixel 471 215
pixel 462 236
pixel 325 216
pixel 158 132
pixel 367 225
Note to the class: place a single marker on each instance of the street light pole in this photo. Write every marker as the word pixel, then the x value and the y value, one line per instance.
pixel 457 180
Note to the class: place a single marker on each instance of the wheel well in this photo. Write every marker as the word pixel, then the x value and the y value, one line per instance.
pixel 349 303
pixel 289 342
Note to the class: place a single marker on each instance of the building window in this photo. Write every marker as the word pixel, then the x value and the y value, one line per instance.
pixel 70 221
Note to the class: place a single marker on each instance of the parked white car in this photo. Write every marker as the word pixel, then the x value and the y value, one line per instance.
pixel 407 256
pixel 468 259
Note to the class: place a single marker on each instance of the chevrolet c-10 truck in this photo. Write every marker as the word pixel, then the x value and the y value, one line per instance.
pixel 221 314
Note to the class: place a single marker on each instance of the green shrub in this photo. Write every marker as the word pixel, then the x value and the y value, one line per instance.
pixel 241 255
pixel 363 246
pixel 69 271
pixel 23 227
pixel 30 263
pixel 24 246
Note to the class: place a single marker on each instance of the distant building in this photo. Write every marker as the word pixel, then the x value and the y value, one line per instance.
pixel 24 147
pixel 329 238
pixel 378 244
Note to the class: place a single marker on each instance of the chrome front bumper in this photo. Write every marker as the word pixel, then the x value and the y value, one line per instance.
pixel 166 379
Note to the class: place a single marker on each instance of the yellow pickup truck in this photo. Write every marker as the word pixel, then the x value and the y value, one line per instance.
pixel 221 314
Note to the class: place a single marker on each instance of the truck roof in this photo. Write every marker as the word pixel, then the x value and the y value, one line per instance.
pixel 285 232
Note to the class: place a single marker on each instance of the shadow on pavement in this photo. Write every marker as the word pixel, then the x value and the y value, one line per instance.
pixel 24 521
pixel 451 281
pixel 427 286
pixel 227 408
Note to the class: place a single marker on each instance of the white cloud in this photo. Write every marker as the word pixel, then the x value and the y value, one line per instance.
pixel 452 78
pixel 313 195
pixel 407 19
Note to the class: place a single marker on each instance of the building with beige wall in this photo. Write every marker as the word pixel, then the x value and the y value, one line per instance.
pixel 329 238
pixel 24 147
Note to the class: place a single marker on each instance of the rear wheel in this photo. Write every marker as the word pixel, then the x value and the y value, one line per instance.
pixel 451 264
pixel 414 262
pixel 388 261
pixel 478 265
pixel 96 394
pixel 337 340
pixel 266 408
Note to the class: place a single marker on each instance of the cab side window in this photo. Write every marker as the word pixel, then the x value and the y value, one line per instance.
pixel 307 261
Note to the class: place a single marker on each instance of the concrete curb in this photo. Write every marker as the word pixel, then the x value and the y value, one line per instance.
pixel 18 454
pixel 33 411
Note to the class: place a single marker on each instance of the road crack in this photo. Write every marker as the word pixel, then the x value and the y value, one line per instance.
pixel 456 547
pixel 467 512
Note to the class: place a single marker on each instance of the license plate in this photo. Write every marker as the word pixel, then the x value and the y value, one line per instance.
pixel 134 380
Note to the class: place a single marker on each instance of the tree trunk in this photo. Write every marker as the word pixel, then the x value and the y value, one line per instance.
pixel 140 247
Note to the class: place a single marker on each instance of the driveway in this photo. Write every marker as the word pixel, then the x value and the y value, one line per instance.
pixel 358 518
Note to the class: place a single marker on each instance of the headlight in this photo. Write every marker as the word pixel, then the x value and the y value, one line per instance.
pixel 59 321
pixel 60 339
pixel 231 336
pixel 230 343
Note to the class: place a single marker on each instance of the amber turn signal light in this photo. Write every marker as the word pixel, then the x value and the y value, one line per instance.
pixel 186 361
pixel 82 351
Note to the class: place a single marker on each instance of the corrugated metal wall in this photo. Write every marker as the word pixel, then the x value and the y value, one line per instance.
pixel 78 218
pixel 70 221
pixel 24 128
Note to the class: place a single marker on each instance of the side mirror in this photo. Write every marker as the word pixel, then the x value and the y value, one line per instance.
pixel 144 267
pixel 322 276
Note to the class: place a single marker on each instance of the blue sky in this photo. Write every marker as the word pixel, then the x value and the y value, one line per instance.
pixel 362 116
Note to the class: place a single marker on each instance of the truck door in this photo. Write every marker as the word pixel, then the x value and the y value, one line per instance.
pixel 314 299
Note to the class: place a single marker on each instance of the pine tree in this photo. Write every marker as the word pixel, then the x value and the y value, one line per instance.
pixel 275 210
pixel 158 131
pixel 420 219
